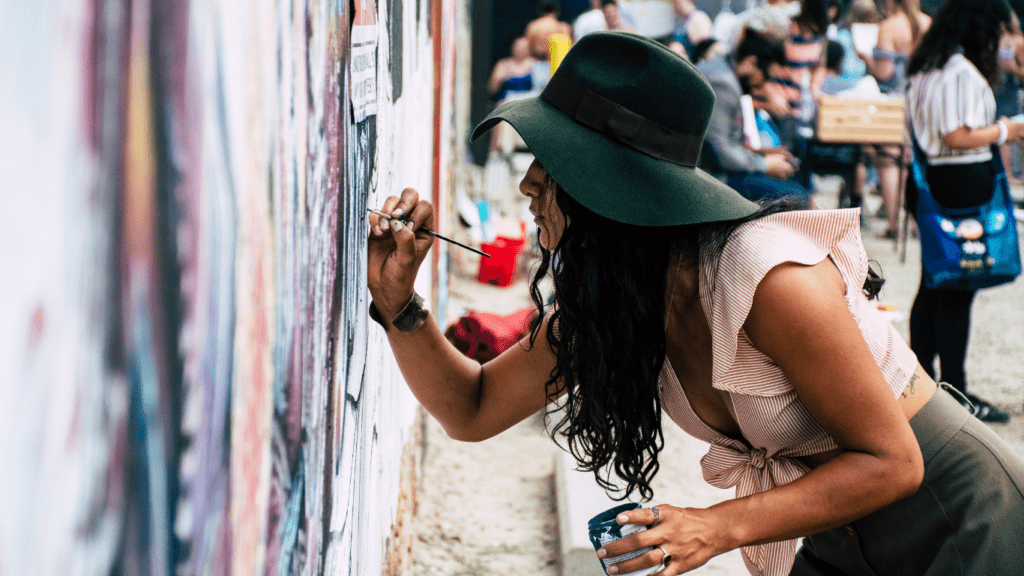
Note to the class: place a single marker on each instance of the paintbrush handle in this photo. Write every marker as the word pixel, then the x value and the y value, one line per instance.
pixel 470 248
pixel 432 233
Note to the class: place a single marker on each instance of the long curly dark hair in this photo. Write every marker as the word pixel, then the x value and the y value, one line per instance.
pixel 970 26
pixel 607 331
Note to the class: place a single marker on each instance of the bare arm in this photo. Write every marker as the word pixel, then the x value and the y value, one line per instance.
pixel 471 401
pixel 800 320
pixel 818 74
pixel 881 68
pixel 823 354
pixel 497 77
pixel 965 138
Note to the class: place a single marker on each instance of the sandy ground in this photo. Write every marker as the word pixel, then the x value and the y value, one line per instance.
pixel 489 508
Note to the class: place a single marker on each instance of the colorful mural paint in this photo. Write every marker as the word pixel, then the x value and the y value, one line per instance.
pixel 188 384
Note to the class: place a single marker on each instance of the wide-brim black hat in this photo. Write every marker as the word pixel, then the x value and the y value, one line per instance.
pixel 620 127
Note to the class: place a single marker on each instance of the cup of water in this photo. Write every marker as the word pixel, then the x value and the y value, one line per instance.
pixel 604 529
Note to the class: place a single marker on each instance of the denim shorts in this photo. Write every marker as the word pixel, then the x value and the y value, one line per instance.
pixel 967 518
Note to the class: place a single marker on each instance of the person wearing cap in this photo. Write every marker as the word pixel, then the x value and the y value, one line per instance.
pixel 747 324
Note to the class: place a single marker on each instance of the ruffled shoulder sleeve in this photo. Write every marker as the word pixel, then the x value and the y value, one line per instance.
pixel 728 282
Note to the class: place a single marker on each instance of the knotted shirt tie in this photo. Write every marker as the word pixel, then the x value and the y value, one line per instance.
pixel 752 470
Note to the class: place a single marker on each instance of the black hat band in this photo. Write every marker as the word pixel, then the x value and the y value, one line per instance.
pixel 621 124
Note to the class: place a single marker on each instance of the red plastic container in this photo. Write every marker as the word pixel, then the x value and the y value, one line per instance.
pixel 500 268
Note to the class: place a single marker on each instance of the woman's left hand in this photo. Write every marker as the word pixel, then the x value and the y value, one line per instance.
pixel 689 537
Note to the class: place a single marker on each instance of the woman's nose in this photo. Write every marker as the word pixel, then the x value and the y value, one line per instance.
pixel 531 184
pixel 526 188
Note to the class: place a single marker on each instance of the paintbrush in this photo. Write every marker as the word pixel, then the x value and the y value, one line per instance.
pixel 432 233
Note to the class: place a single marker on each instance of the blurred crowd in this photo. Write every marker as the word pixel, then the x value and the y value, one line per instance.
pixel 957 72
pixel 770 64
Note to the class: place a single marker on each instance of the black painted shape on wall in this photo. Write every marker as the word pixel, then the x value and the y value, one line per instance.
pixel 395 23
pixel 167 22
pixel 480 101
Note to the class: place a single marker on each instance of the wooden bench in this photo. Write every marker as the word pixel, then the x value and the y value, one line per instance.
pixel 846 121
pixel 855 121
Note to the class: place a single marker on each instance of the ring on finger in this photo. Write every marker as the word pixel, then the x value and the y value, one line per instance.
pixel 666 558
pixel 657 514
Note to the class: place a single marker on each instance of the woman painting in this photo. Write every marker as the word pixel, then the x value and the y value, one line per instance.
pixel 953 114
pixel 746 324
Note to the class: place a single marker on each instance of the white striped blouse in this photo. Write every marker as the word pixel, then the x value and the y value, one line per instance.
pixel 776 426
pixel 942 100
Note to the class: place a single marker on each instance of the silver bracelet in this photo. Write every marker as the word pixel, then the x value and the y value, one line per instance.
pixel 1003 132
pixel 412 316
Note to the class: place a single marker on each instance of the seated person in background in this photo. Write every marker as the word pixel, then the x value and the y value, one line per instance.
pixel 860 12
pixel 692 26
pixel 593 20
pixel 769 103
pixel 771 17
pixel 538 31
pixel 755 175
pixel 613 19
pixel 707 49
pixel 805 47
pixel 834 82
pixel 511 79
pixel 513 76
pixel 802 75
pixel 677 47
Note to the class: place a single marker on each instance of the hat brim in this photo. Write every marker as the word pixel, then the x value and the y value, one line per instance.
pixel 614 180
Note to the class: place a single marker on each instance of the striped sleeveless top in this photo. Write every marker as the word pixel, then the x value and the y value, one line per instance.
pixel 776 425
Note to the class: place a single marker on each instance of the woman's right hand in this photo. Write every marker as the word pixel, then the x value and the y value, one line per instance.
pixel 396 251
pixel 1014 130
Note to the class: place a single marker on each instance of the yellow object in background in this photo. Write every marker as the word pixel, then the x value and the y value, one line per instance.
pixel 559 44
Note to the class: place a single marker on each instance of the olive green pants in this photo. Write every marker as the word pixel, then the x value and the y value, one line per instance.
pixel 966 519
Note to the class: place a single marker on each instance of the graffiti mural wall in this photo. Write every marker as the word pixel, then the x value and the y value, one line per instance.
pixel 188 382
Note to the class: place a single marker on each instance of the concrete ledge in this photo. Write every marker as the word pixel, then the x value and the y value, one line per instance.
pixel 578 498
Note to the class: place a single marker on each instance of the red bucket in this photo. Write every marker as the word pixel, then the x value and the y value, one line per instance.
pixel 500 268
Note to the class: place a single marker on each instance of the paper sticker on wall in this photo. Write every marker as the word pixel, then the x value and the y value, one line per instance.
pixel 364 61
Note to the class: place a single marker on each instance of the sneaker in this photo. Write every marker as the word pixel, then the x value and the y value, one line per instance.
pixel 985 411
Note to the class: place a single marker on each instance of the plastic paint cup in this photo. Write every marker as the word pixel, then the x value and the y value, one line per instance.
pixel 604 529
